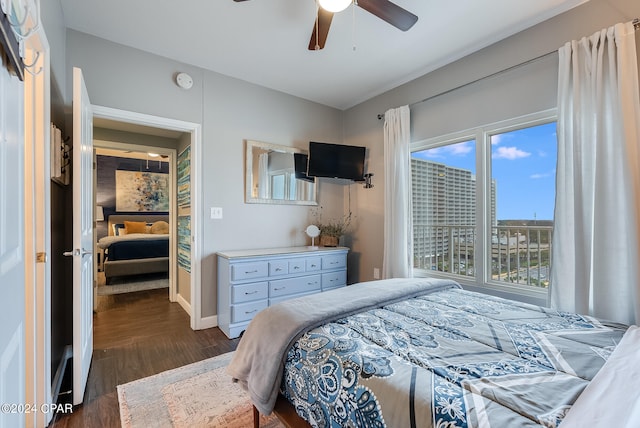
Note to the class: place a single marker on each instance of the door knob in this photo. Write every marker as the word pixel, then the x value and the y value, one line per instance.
pixel 76 252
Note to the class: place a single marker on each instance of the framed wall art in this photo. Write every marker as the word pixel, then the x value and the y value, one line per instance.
pixel 141 191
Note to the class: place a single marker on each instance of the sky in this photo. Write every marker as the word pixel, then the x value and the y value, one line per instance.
pixel 523 165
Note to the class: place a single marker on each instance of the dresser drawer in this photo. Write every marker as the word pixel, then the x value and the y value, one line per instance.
pixel 294 285
pixel 297 266
pixel 241 271
pixel 246 311
pixel 334 262
pixel 313 264
pixel 334 279
pixel 278 267
pixel 249 292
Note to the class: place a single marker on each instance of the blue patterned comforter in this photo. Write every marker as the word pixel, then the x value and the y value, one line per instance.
pixel 448 359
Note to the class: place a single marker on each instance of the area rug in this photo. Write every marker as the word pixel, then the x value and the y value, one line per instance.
pixel 130 284
pixel 196 395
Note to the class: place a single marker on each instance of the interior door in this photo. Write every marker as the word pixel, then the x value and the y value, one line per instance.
pixel 82 235
pixel 12 248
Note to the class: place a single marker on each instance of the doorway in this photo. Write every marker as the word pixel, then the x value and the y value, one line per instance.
pixel 121 121
pixel 141 260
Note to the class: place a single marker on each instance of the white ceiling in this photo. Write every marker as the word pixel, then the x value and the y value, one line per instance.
pixel 265 41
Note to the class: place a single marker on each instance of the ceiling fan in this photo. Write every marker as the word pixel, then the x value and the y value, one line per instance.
pixel 383 9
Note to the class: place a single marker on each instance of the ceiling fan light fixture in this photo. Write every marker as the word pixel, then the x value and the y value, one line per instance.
pixel 334 5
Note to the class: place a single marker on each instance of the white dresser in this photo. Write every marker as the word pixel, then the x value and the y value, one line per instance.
pixel 251 280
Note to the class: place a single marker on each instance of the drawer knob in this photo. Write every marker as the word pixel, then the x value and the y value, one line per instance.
pixel 251 312
pixel 313 265
pixel 250 271
pixel 296 267
pixel 247 293
pixel 279 288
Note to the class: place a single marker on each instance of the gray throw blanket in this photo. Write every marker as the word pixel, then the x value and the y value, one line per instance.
pixel 258 362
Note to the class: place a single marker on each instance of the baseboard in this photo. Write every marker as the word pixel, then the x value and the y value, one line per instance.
pixel 185 305
pixel 209 322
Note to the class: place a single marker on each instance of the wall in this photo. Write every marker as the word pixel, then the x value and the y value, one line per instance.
pixel 135 138
pixel 106 167
pixel 230 111
pixel 524 90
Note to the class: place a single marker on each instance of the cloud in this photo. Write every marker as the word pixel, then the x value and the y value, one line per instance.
pixel 458 149
pixel 502 138
pixel 510 153
pixel 540 175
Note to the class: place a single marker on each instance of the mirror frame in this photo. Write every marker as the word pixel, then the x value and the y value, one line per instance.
pixel 250 145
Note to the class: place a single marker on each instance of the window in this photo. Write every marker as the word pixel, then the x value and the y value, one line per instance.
pixel 483 203
pixel 444 207
pixel 284 185
pixel 523 162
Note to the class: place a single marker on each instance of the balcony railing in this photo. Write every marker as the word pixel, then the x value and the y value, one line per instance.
pixel 519 254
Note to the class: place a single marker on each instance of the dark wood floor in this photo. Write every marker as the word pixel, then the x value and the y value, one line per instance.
pixel 137 335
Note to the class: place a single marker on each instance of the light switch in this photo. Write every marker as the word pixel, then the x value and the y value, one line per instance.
pixel 216 213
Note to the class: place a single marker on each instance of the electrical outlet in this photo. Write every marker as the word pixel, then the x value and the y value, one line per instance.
pixel 216 213
pixel 376 273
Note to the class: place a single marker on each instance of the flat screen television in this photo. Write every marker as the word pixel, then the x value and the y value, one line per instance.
pixel 300 167
pixel 336 161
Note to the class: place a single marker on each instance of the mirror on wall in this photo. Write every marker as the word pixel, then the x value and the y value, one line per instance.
pixel 277 175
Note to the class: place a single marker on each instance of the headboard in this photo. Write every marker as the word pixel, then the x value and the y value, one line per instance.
pixel 121 218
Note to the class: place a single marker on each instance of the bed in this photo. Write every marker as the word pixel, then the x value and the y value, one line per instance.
pixel 423 353
pixel 142 252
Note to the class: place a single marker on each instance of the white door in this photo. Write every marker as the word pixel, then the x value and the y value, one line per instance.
pixel 12 249
pixel 82 235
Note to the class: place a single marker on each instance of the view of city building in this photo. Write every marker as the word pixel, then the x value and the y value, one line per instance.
pixel 444 207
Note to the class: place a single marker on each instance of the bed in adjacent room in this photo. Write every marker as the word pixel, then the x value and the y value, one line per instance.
pixel 136 244
pixel 419 353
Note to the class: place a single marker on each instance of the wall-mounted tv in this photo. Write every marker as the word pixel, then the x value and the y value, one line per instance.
pixel 336 161
pixel 300 167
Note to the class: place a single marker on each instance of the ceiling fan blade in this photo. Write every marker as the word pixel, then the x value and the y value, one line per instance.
pixel 390 12
pixel 321 30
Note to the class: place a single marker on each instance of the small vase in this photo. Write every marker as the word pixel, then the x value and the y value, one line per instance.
pixel 328 241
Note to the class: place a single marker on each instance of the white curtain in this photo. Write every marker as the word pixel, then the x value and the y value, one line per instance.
pixel 595 264
pixel 264 180
pixel 398 234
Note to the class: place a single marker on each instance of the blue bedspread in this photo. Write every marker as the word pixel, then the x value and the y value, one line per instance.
pixel 138 249
pixel 448 359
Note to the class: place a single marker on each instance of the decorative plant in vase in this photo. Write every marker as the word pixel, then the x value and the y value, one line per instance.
pixel 331 230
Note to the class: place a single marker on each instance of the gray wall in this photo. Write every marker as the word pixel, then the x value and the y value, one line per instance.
pixel 527 89
pixel 230 111
pixel 135 138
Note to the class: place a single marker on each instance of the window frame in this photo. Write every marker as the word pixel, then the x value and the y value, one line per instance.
pixel 482 249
